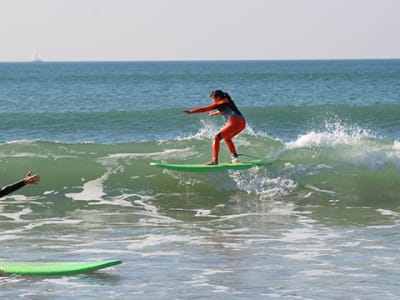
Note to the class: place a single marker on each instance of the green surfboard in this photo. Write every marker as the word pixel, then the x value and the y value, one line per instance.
pixel 53 268
pixel 207 168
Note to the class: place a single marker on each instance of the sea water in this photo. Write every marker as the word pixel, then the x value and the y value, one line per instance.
pixel 320 220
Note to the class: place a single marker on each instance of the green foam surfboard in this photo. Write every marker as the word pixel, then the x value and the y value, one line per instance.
pixel 207 168
pixel 53 268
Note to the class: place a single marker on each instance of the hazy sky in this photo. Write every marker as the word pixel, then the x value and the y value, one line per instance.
pixel 92 30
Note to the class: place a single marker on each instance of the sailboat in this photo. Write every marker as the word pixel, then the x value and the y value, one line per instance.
pixel 35 57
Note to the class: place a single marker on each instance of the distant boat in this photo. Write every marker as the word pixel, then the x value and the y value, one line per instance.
pixel 35 57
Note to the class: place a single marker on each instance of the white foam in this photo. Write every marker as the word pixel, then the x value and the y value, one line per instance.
pixel 36 224
pixel 20 198
pixel 152 240
pixel 152 212
pixel 147 206
pixel 387 212
pixel 17 215
pixel 396 146
pixel 318 273
pixel 101 251
pixel 333 135
pixel 378 158
pixel 91 190
pixel 160 253
pixel 8 237
pixel 208 129
pixel 203 213
pixel 311 187
pixel 175 153
pixel 204 279
pixel 49 193
pixel 94 189
pixel 255 181
pixel 351 144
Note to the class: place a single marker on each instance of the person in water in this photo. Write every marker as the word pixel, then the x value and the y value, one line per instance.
pixel 28 179
pixel 223 104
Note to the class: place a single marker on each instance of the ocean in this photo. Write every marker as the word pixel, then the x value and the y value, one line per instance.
pixel 320 220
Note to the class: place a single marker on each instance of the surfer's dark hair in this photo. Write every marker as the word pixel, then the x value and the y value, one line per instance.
pixel 220 94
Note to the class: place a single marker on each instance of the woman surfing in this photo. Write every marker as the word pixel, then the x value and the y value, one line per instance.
pixel 223 104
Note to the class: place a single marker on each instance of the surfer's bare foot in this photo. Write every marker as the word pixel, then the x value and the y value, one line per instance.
pixel 235 160
pixel 212 163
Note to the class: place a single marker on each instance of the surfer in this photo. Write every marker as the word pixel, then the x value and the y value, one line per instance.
pixel 28 179
pixel 223 104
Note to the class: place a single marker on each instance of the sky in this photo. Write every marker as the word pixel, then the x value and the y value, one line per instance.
pixel 136 30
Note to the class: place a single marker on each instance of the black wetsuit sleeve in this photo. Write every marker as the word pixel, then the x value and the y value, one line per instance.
pixel 11 188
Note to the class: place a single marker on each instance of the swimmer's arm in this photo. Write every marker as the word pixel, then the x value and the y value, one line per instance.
pixel 28 179
pixel 11 188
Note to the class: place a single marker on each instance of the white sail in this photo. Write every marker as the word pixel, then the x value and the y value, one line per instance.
pixel 35 56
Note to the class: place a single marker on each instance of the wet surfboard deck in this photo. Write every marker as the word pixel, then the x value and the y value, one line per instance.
pixel 208 168
pixel 54 268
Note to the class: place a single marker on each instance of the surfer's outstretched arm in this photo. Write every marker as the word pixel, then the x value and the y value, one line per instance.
pixel 28 179
pixel 206 108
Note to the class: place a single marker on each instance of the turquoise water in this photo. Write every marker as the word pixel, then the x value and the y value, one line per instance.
pixel 319 221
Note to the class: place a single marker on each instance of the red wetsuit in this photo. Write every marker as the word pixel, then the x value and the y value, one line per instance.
pixel 236 123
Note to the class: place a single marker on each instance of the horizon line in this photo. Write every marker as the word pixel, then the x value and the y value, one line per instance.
pixel 197 60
